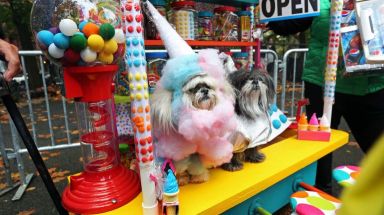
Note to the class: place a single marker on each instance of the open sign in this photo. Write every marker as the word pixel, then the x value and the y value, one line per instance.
pixel 274 10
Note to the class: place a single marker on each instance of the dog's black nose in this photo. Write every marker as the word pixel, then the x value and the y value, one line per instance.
pixel 205 91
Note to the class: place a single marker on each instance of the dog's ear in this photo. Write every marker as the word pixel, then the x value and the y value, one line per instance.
pixel 161 110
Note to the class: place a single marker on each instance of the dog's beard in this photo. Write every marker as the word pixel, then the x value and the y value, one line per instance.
pixel 253 100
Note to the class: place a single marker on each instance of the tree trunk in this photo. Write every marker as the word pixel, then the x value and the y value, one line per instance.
pixel 20 14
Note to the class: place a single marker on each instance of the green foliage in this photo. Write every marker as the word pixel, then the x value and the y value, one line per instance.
pixel 284 43
pixel 7 26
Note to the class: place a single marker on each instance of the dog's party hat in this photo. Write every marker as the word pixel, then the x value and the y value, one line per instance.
pixel 173 42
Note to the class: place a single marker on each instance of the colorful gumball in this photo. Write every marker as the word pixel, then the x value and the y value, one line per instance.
pixel 88 56
pixel 110 46
pixel 45 37
pixel 107 31
pixel 105 58
pixel 79 33
pixel 71 56
pixel 119 36
pixel 82 24
pixel 61 41
pixel 96 42
pixel 54 30
pixel 68 27
pixel 78 42
pixel 90 28
pixel 55 52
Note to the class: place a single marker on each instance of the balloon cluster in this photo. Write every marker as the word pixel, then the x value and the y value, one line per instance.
pixel 82 44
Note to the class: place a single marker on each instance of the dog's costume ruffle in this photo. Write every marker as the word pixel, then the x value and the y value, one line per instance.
pixel 199 131
pixel 203 132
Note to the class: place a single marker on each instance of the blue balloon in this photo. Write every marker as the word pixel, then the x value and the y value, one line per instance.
pixel 61 41
pixel 45 37
pixel 82 24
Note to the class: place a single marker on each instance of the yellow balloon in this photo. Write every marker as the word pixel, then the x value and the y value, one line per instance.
pixel 105 57
pixel 95 42
pixel 110 46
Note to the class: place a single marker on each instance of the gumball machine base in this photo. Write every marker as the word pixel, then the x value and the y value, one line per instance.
pixel 92 193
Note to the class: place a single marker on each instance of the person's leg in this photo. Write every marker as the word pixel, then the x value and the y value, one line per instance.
pixel 324 165
pixel 365 117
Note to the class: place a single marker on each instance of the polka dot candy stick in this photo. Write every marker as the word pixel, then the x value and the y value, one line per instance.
pixel 332 57
pixel 136 66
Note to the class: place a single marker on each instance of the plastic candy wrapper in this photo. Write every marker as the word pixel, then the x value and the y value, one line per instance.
pixel 79 33
pixel 370 16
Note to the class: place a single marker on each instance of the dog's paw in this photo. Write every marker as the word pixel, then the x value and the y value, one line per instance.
pixel 196 179
pixel 255 157
pixel 232 166
pixel 182 179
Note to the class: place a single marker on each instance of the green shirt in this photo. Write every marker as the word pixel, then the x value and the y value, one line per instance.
pixel 316 60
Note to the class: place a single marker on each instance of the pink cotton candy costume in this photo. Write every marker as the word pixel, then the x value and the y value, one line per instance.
pixel 201 132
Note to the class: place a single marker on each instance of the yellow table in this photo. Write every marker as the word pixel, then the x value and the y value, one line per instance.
pixel 225 189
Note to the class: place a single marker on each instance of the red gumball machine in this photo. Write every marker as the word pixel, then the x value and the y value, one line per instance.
pixel 87 40
pixel 104 184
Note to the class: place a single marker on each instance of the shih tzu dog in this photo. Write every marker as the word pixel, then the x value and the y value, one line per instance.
pixel 200 92
pixel 254 94
pixel 193 115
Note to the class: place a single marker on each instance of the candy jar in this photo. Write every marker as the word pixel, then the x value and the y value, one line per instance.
pixel 225 23
pixel 184 17
pixel 150 28
pixel 156 62
pixel 205 25
pixel 244 26
pixel 86 38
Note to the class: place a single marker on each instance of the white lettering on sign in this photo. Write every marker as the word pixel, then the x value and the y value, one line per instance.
pixel 273 10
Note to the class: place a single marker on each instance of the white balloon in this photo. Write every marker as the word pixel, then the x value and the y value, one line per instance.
pixel 55 52
pixel 119 36
pixel 68 27
pixel 88 55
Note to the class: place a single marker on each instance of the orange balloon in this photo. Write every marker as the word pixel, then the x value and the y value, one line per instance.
pixel 90 28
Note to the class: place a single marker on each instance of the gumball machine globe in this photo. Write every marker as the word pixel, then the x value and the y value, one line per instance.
pixel 85 37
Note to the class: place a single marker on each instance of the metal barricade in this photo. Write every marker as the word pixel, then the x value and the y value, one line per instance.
pixel 271 58
pixel 11 148
pixel 293 85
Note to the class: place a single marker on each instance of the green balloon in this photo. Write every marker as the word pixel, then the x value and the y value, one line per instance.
pixel 107 31
pixel 78 42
